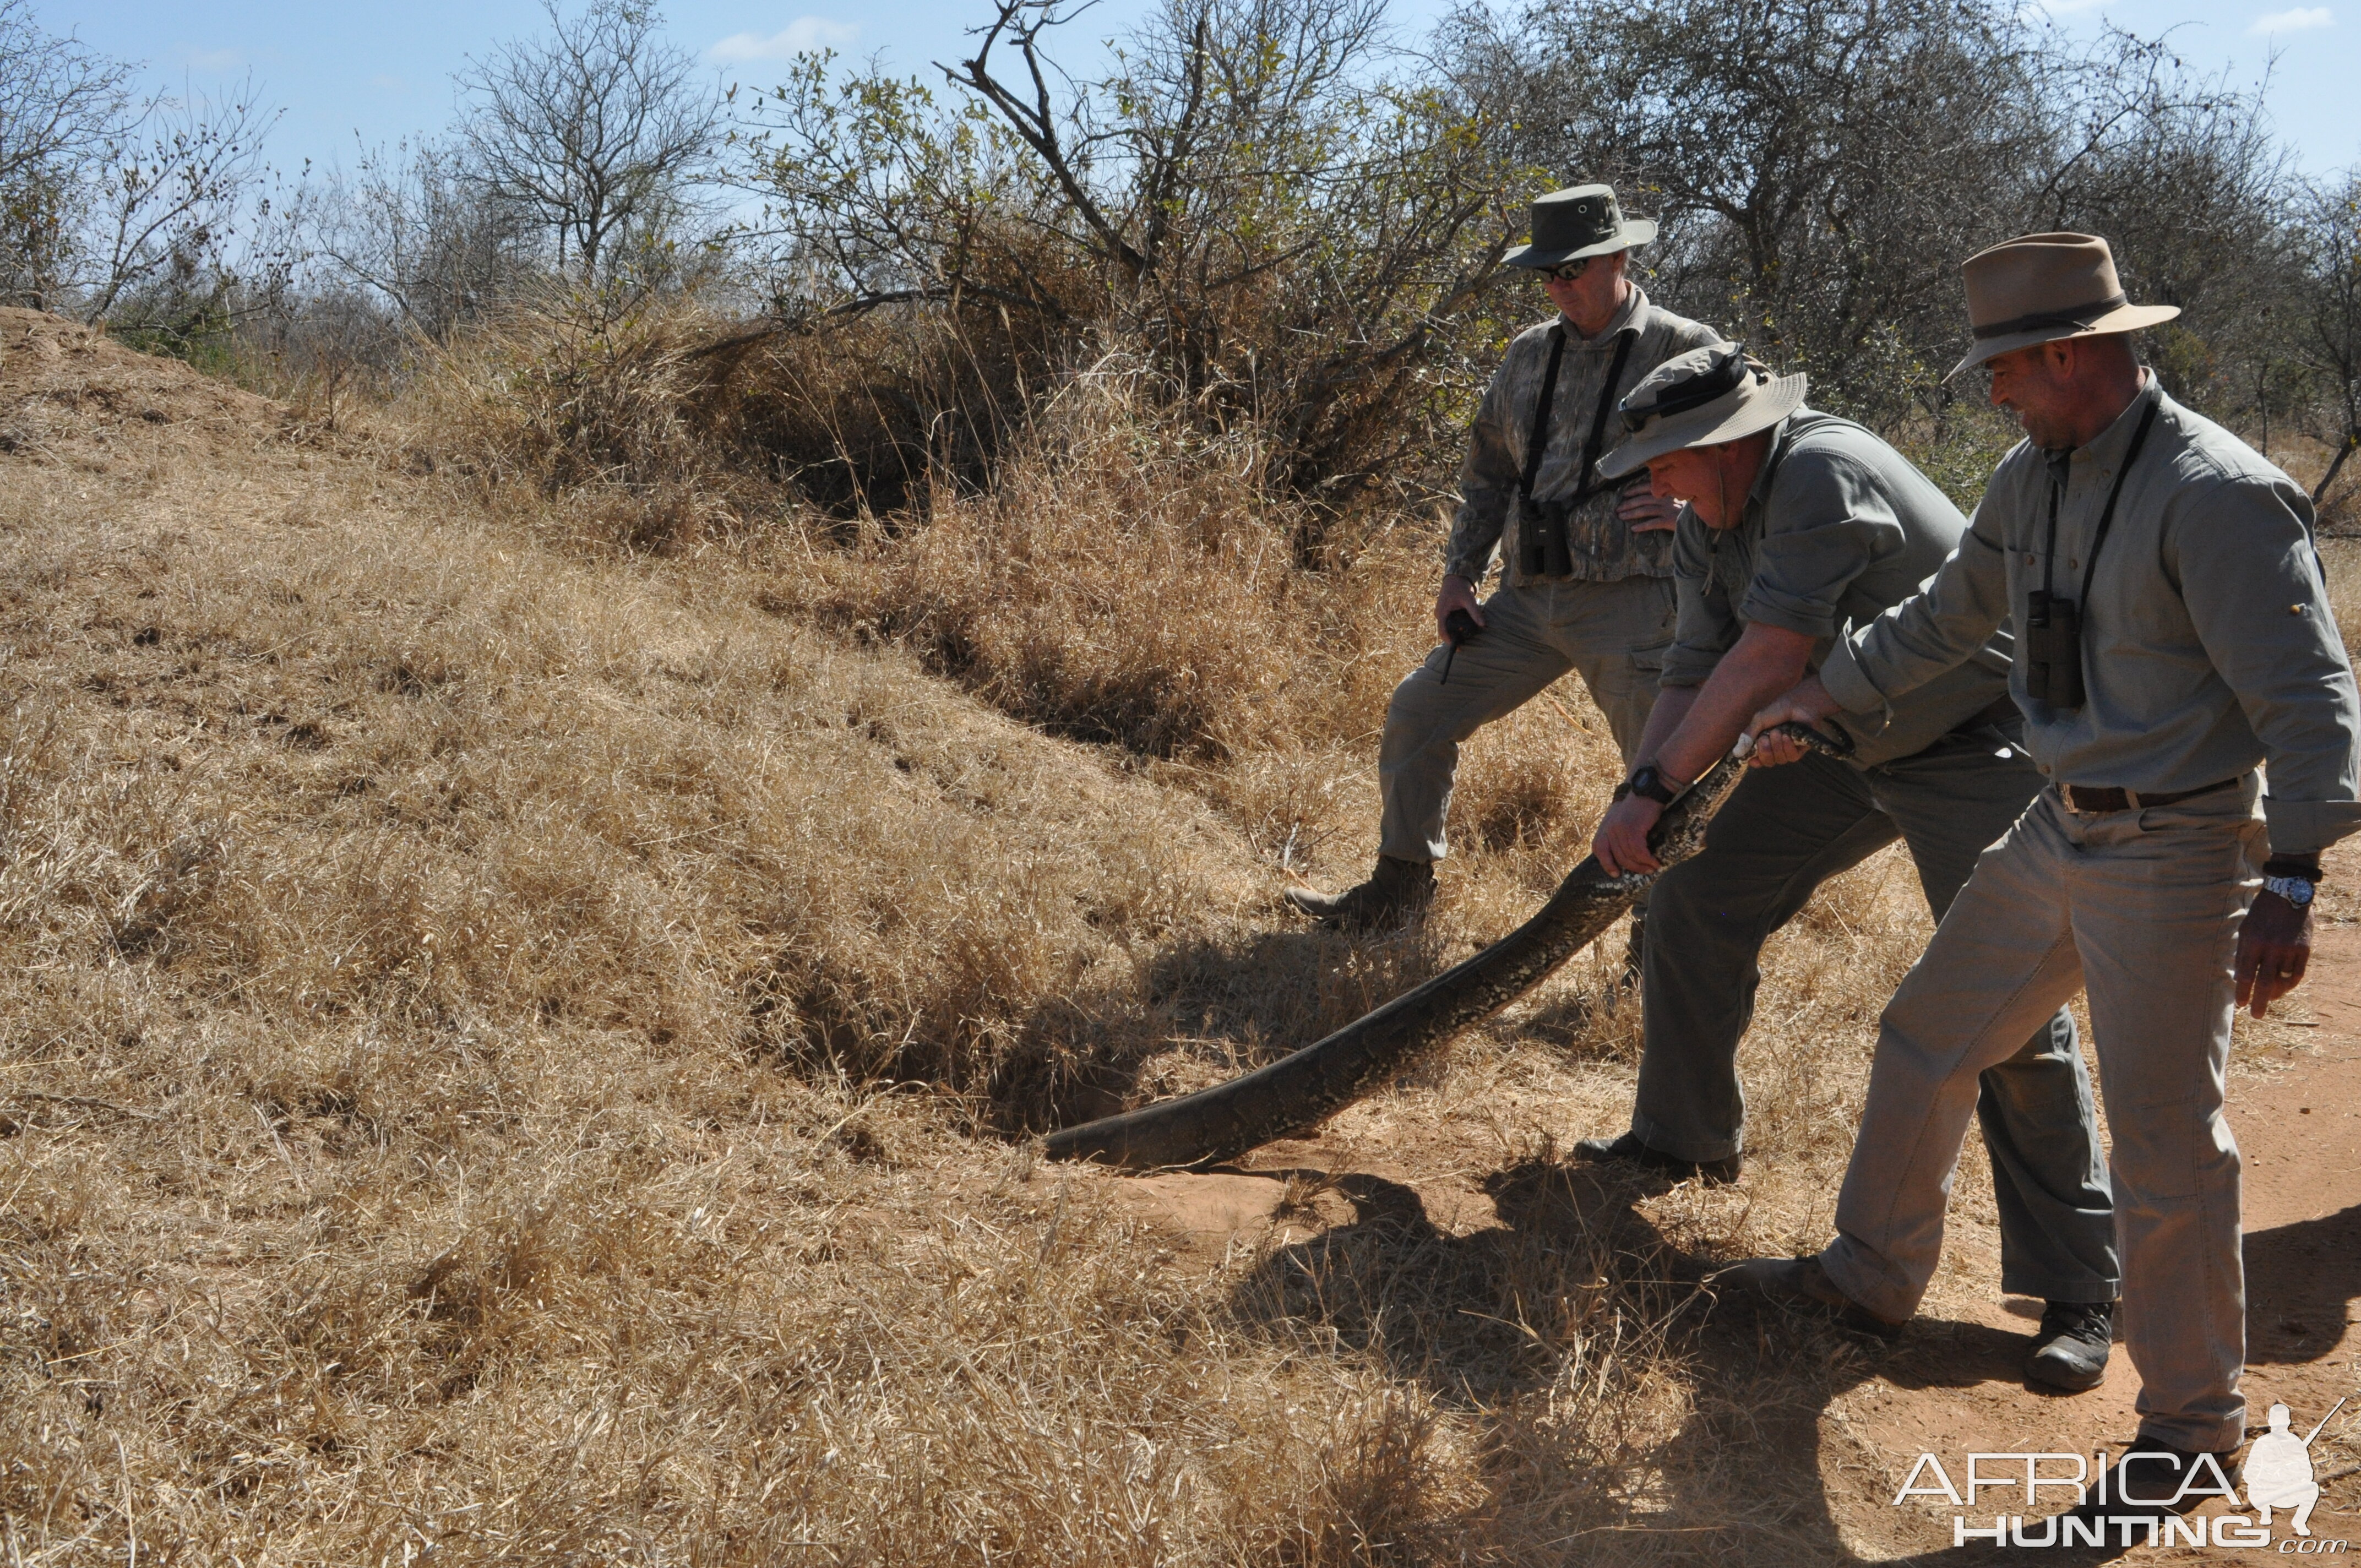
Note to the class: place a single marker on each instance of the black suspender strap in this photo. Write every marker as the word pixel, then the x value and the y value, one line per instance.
pixel 1537 445
pixel 1587 477
pixel 1538 442
pixel 1546 550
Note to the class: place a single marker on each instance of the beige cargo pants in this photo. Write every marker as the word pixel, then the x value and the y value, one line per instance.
pixel 2142 909
pixel 1613 634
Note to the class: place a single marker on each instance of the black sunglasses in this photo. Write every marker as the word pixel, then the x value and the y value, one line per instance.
pixel 1568 271
pixel 1719 382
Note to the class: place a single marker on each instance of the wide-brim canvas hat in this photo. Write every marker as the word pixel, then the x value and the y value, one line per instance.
pixel 1582 220
pixel 2039 288
pixel 1702 398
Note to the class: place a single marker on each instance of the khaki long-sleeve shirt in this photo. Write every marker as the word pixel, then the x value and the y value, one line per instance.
pixel 1604 548
pixel 2208 646
pixel 1838 527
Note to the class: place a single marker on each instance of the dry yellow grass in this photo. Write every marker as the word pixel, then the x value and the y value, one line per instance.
pixel 513 1050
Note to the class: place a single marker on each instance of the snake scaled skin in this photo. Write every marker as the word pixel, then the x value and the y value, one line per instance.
pixel 1298 1091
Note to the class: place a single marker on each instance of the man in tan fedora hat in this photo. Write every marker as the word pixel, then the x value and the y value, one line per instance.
pixel 2173 631
pixel 1800 525
pixel 1586 584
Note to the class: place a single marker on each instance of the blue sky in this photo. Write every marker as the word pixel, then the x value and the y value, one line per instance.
pixel 385 71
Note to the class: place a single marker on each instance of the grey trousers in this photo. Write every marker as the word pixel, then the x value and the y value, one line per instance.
pixel 2143 908
pixel 1785 831
pixel 1614 634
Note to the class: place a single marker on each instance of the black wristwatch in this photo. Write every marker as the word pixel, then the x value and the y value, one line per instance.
pixel 1650 784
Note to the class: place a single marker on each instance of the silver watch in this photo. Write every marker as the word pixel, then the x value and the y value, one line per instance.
pixel 2294 889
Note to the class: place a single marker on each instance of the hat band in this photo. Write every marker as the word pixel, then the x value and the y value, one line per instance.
pixel 1711 388
pixel 2078 316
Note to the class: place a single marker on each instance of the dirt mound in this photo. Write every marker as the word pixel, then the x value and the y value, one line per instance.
pixel 62 379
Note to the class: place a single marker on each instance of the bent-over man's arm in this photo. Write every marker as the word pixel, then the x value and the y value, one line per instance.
pixel 1827 519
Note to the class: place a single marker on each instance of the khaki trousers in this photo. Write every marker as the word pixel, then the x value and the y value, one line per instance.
pixel 1613 634
pixel 1782 833
pixel 2142 909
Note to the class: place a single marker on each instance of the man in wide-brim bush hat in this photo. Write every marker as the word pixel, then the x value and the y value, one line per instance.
pixel 1587 578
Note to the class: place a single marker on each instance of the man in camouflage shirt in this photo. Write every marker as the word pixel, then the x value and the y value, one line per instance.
pixel 1586 584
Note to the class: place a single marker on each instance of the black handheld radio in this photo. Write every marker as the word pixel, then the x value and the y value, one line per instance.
pixel 1457 626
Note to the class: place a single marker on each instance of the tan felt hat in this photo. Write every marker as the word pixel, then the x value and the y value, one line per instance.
pixel 1579 221
pixel 1702 398
pixel 2043 287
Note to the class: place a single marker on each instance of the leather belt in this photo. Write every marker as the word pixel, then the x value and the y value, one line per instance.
pixel 2082 798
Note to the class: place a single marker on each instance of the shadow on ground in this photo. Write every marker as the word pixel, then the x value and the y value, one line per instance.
pixel 1561 1306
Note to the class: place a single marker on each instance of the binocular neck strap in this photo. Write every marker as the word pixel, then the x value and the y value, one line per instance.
pixel 2106 518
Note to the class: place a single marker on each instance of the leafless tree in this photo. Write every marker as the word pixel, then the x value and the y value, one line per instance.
pixel 61 108
pixel 596 128
pixel 118 207
pixel 2330 311
pixel 172 189
pixel 409 225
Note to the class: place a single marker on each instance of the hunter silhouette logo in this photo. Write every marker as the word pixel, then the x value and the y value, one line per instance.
pixel 2279 1471
pixel 2278 1475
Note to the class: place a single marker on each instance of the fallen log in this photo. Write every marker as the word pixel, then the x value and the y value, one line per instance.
pixel 1298 1091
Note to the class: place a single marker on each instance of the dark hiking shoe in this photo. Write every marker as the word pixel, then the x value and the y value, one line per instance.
pixel 1397 892
pixel 1629 1150
pixel 2153 1479
pixel 2069 1350
pixel 1802 1282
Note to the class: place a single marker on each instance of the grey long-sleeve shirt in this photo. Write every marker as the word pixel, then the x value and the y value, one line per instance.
pixel 2208 646
pixel 1838 527
pixel 1605 548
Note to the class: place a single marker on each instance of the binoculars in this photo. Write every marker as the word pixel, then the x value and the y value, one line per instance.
pixel 2051 648
pixel 1542 542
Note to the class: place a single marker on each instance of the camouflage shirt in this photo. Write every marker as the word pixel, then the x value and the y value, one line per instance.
pixel 1604 549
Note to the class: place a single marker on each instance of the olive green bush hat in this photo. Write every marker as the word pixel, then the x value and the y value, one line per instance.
pixel 1582 220
pixel 1702 398
pixel 2038 288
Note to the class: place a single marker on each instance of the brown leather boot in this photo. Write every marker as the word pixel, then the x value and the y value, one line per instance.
pixel 1397 892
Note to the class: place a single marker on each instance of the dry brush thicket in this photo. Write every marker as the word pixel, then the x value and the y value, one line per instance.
pixel 514 1044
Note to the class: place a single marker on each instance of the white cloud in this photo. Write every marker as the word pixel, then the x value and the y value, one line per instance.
pixel 805 35
pixel 2296 21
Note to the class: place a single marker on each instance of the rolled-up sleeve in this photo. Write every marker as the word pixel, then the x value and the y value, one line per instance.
pixel 1705 626
pixel 2243 558
pixel 1946 622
